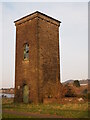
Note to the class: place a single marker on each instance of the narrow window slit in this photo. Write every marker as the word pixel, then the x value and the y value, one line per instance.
pixel 26 51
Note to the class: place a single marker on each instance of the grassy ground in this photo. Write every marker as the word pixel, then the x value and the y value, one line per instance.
pixel 69 110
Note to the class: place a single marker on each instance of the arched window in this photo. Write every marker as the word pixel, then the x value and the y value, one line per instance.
pixel 26 51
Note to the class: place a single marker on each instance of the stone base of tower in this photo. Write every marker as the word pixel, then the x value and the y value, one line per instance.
pixel 51 94
pixel 57 96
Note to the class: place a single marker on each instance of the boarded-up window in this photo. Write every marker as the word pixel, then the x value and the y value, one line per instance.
pixel 26 51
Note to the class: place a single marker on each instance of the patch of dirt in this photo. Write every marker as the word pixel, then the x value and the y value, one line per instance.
pixel 29 114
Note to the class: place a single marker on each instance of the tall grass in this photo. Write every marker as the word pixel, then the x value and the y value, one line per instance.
pixel 70 110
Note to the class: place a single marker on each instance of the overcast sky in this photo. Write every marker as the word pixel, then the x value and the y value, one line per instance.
pixel 73 37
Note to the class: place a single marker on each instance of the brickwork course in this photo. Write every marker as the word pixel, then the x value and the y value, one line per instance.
pixel 41 73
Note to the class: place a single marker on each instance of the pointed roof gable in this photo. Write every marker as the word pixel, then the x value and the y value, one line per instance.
pixel 39 15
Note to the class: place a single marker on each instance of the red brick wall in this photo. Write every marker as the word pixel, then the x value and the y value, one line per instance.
pixel 49 72
pixel 26 71
pixel 41 73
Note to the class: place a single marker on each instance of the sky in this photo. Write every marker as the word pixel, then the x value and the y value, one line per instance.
pixel 73 36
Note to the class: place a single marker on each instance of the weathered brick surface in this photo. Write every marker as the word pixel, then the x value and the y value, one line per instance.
pixel 41 73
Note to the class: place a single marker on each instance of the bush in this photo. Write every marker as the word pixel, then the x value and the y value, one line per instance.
pixel 76 83
pixel 85 91
pixel 89 96
pixel 70 93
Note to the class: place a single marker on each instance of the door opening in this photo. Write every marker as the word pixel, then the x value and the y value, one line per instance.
pixel 25 94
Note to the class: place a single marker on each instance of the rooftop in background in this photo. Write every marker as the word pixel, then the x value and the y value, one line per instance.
pixel 39 15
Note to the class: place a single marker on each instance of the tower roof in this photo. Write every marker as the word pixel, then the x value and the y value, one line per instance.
pixel 39 15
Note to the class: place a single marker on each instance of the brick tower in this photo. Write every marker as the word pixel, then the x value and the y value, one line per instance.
pixel 37 67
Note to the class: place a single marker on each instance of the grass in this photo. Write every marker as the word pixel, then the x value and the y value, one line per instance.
pixel 69 110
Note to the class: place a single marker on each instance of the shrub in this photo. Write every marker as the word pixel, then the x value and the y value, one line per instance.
pixel 85 91
pixel 89 96
pixel 70 92
pixel 76 83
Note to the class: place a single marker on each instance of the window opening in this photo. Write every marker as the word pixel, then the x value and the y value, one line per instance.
pixel 26 51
